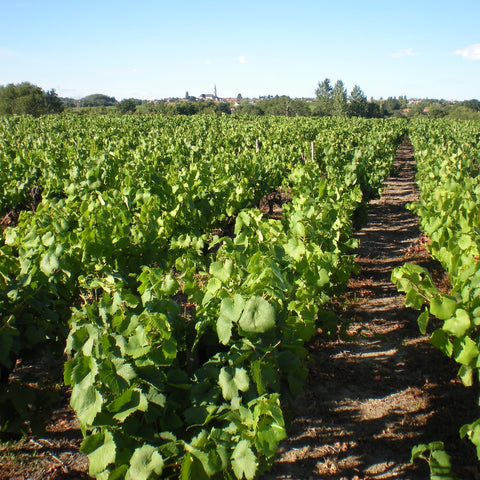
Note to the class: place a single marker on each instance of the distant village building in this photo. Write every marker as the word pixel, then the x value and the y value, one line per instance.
pixel 209 96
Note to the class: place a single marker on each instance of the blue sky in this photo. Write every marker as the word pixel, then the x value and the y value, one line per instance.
pixel 157 49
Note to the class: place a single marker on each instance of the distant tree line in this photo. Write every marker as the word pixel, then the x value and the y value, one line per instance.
pixel 28 99
pixel 185 107
pixel 463 110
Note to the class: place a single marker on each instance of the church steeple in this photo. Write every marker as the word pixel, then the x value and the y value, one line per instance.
pixel 214 91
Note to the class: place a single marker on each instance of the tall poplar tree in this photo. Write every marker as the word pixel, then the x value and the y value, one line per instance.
pixel 358 106
pixel 324 101
pixel 339 100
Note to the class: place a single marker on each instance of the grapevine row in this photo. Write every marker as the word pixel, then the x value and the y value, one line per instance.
pixel 447 157
pixel 182 340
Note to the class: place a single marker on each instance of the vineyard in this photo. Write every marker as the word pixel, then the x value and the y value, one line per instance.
pixel 180 266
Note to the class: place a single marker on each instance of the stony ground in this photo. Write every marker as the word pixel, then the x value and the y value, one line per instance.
pixel 368 399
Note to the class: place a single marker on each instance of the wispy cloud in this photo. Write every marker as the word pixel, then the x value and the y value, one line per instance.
pixel 242 59
pixel 404 52
pixel 472 52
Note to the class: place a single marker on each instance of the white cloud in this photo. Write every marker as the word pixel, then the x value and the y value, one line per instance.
pixel 404 52
pixel 472 52
pixel 242 59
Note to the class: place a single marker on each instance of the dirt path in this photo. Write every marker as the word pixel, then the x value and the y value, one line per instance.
pixel 368 400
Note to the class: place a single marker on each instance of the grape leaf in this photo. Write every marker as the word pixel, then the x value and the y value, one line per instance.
pixel 258 316
pixel 244 462
pixel 145 461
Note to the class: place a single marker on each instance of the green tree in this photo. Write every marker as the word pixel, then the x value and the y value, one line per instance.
pixel 185 108
pixel 472 104
pixel 358 106
pixel 150 108
pixel 127 106
pixel 339 100
pixel 206 107
pixel 245 107
pixel 390 105
pixel 436 110
pixel 27 99
pixel 224 107
pixel 403 101
pixel 300 108
pixel 374 110
pixel 278 105
pixel 97 100
pixel 8 95
pixel 462 112
pixel 54 104
pixel 324 99
pixel 69 102
pixel 414 110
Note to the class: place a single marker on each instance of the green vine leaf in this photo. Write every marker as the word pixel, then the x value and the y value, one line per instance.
pixel 101 451
pixel 230 311
pixel 232 381
pixel 87 403
pixel 49 264
pixel 146 460
pixel 443 307
pixel 459 324
pixel 244 462
pixel 258 316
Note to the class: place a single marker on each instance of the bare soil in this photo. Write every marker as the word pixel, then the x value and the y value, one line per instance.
pixel 368 398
